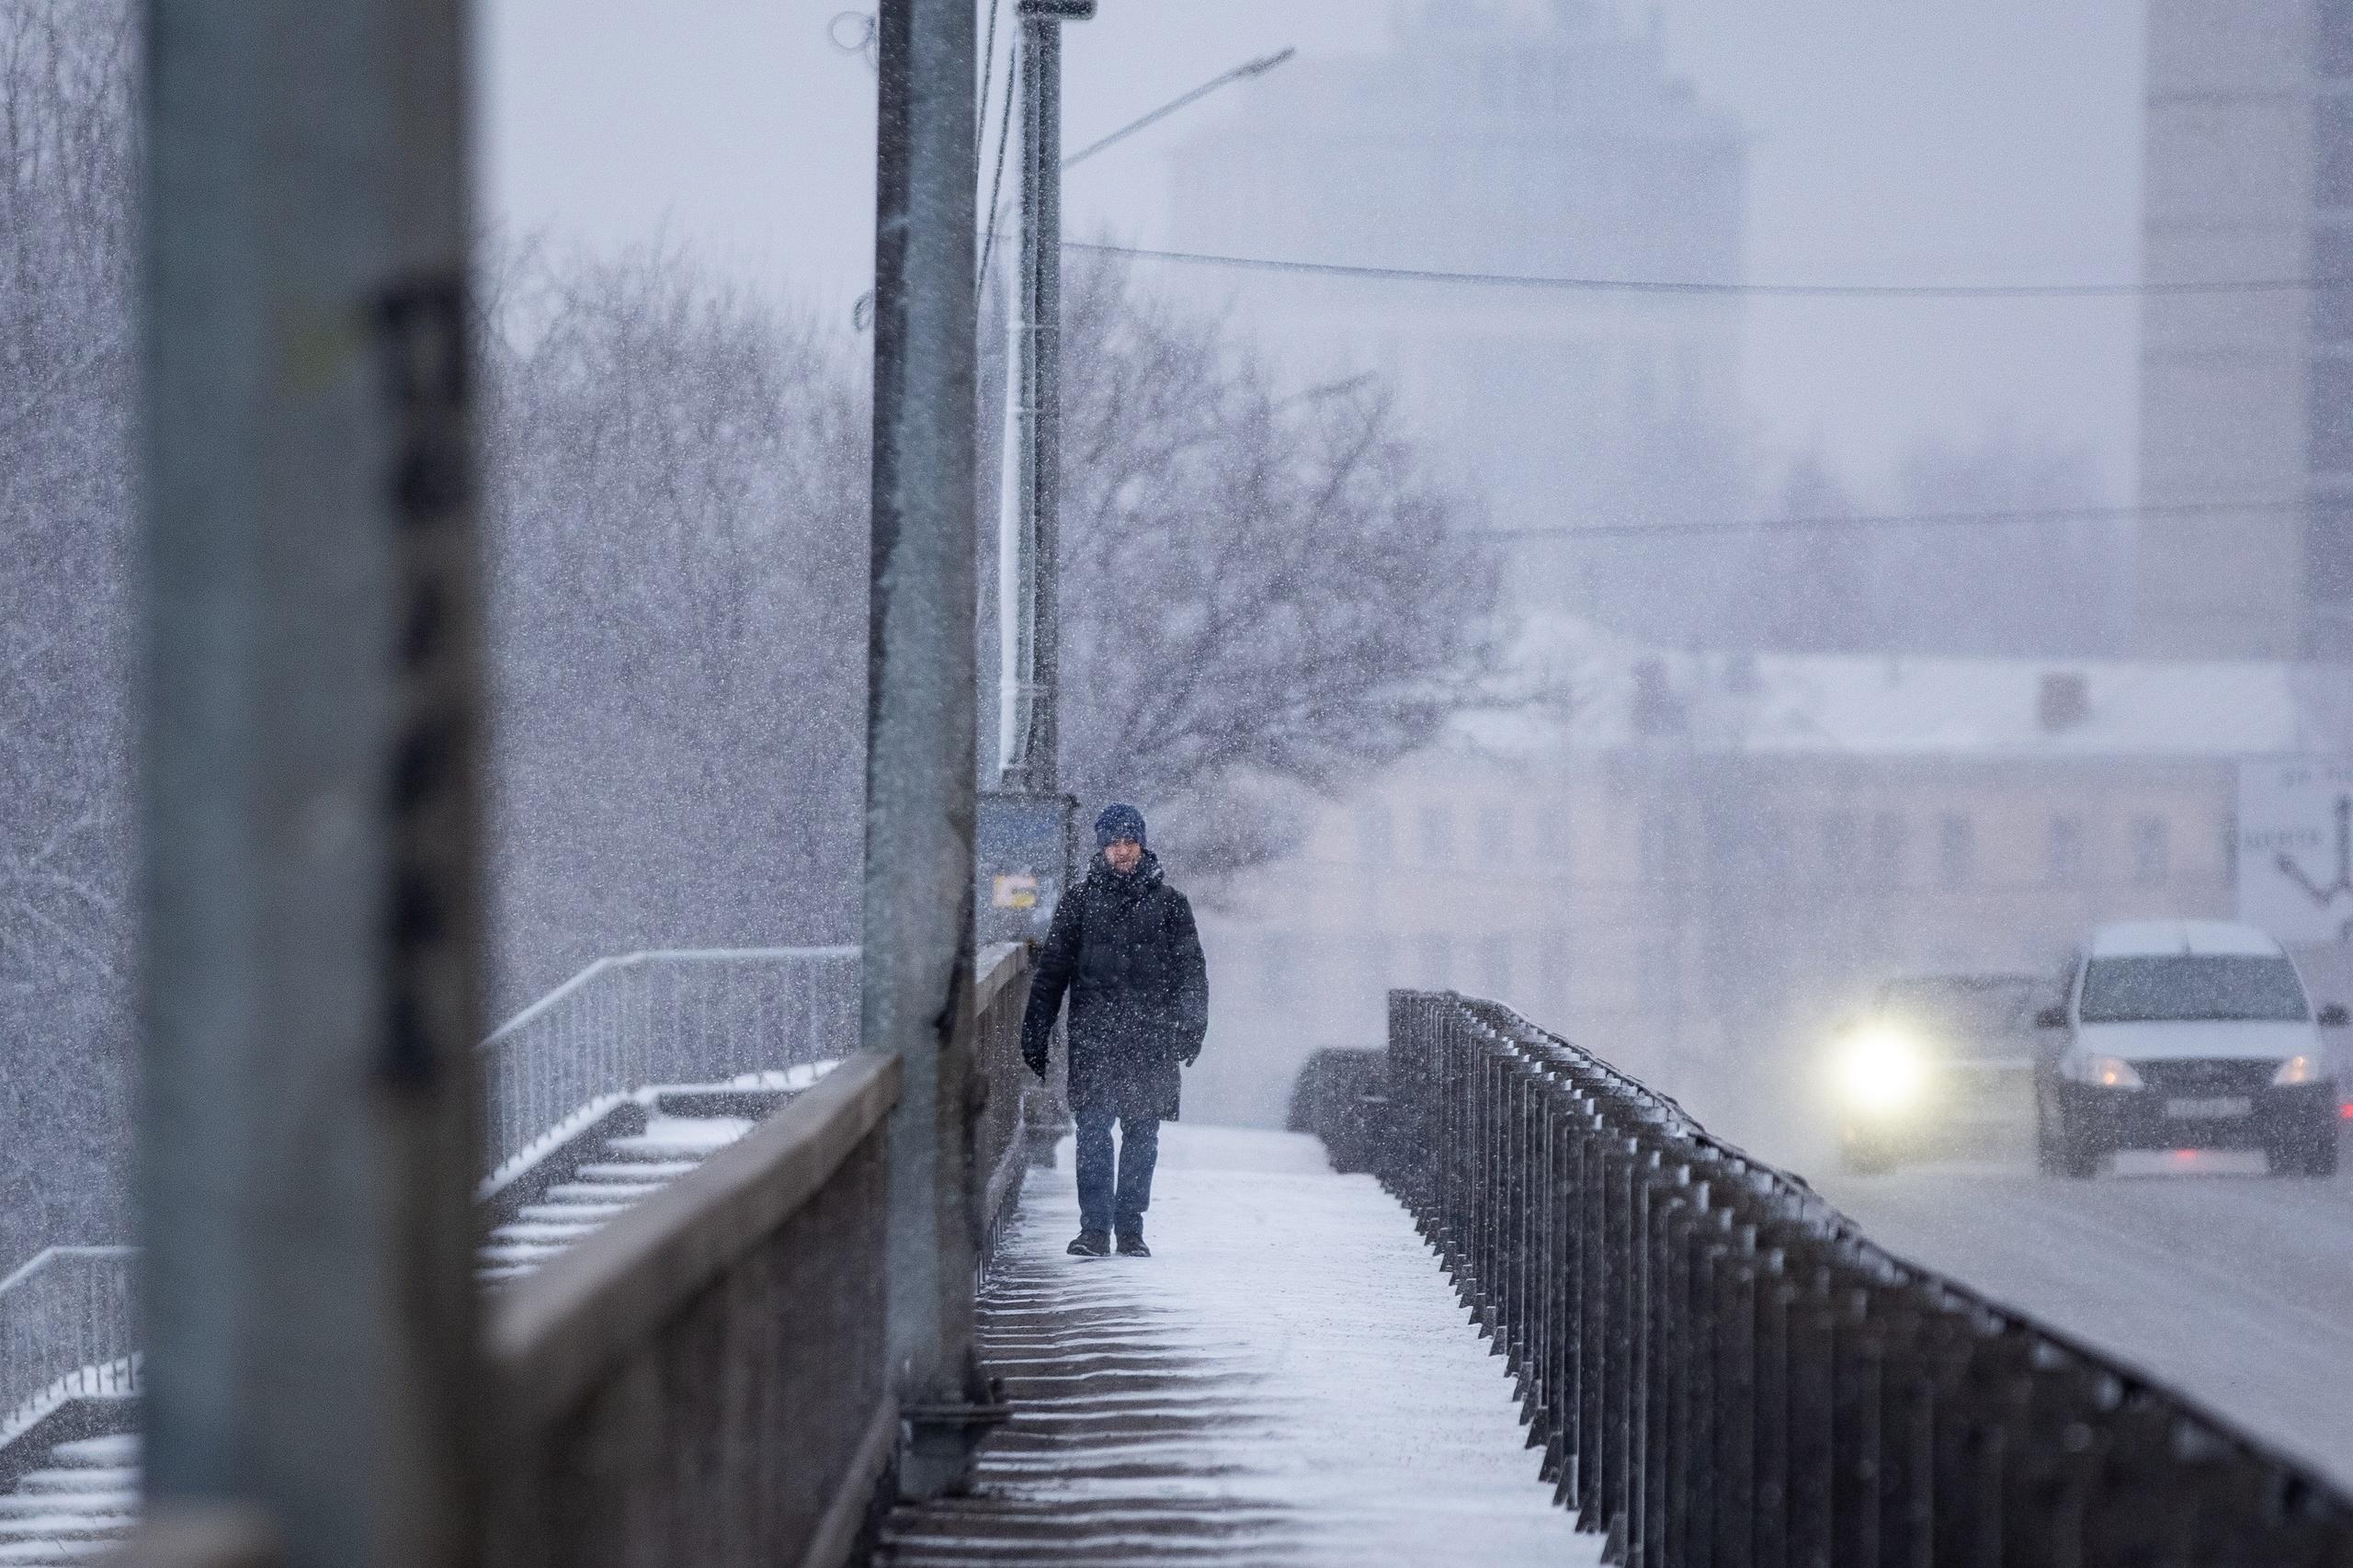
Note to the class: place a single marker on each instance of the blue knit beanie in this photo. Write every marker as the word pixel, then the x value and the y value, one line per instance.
pixel 1118 822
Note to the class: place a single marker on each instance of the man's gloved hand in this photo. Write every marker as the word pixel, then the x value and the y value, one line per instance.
pixel 1037 1061
pixel 1189 1055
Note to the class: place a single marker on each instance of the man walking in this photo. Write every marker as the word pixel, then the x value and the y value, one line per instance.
pixel 1123 944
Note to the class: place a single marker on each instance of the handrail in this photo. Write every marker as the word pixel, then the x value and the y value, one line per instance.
pixel 662 1015
pixel 1711 1356
pixel 643 955
pixel 48 1257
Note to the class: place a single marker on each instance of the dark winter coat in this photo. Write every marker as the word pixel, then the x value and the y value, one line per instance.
pixel 1126 950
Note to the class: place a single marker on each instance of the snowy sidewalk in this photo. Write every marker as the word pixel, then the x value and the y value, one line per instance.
pixel 1288 1380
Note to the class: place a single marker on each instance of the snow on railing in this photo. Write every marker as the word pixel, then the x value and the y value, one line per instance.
pixel 679 1016
pixel 67 1321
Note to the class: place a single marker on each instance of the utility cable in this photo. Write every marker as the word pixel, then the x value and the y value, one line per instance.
pixel 988 70
pixel 996 180
pixel 1664 285
pixel 1901 520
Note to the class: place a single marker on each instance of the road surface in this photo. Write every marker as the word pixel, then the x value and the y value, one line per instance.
pixel 2233 1287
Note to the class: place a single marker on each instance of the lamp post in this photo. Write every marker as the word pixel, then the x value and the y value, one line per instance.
pixel 1030 502
pixel 1028 841
pixel 1241 73
pixel 1029 513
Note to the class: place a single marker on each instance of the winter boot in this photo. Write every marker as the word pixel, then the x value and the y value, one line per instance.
pixel 1131 1244
pixel 1089 1243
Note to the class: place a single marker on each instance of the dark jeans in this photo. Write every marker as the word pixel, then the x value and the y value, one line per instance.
pixel 1099 1207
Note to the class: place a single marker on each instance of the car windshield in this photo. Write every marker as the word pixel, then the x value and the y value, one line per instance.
pixel 2185 986
pixel 1962 1009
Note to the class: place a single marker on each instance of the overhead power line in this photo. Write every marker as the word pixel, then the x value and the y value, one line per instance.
pixel 1004 131
pixel 1668 286
pixel 1893 520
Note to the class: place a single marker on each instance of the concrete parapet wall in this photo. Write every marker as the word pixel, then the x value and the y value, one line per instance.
pixel 704 1382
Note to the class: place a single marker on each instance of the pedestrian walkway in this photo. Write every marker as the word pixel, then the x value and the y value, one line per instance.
pixel 1289 1379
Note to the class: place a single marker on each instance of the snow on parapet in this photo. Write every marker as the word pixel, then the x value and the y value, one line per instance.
pixel 787 1080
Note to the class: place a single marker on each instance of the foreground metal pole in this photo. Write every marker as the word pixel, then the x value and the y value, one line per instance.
pixel 919 756
pixel 308 1145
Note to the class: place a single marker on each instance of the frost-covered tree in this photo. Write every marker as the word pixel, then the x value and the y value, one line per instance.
pixel 1263 595
pixel 677 536
pixel 67 170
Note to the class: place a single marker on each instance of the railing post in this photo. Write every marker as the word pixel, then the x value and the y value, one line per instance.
pixel 1557 1392
pixel 1810 1454
pixel 1480 1179
pixel 1738 1439
pixel 1905 1411
pixel 308 1144
pixel 1776 1297
pixel 1688 1224
pixel 1668 1201
pixel 1544 1265
pixel 1713 1298
pixel 2052 1466
pixel 1619 1360
pixel 1459 1152
pixel 1857 1360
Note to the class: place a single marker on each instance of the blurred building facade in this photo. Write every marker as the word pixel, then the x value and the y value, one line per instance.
pixel 2247 397
pixel 1709 858
pixel 1556 144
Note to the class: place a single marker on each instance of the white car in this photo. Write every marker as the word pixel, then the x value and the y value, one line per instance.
pixel 2186 1034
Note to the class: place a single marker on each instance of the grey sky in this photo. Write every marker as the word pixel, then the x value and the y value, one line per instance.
pixel 1896 140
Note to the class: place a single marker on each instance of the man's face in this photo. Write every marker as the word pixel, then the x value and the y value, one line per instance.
pixel 1125 853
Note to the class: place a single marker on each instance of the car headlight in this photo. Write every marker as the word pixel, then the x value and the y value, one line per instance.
pixel 1881 1071
pixel 2108 1071
pixel 2301 1069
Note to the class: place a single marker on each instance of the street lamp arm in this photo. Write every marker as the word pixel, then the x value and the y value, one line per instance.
pixel 1248 69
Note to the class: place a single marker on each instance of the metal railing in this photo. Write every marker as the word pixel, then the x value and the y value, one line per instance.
pixel 1723 1373
pixel 67 1329
pixel 695 1015
pixel 692 1016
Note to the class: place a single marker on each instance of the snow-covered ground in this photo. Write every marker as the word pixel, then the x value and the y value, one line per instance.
pixel 1288 1380
pixel 2233 1287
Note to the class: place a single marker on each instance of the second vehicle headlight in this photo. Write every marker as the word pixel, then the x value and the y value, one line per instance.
pixel 1881 1071
pixel 2301 1069
pixel 2108 1071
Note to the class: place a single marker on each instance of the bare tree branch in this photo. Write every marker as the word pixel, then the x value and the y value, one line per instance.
pixel 1256 595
